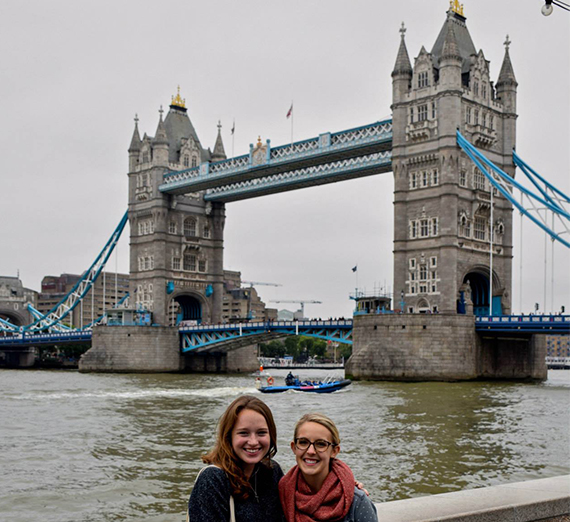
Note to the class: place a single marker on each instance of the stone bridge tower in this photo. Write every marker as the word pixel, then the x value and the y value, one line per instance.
pixel 176 242
pixel 442 202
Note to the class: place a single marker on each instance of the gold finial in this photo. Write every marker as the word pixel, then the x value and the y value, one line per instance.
pixel 178 101
pixel 456 7
pixel 259 141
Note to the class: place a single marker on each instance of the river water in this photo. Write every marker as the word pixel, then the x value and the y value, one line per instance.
pixel 110 447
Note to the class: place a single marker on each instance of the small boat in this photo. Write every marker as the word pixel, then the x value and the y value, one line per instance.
pixel 308 386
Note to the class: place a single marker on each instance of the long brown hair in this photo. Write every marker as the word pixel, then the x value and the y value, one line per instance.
pixel 223 454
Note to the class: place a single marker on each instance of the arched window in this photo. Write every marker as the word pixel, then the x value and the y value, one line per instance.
pixel 190 227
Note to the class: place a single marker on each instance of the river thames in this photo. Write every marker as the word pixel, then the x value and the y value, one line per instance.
pixel 110 447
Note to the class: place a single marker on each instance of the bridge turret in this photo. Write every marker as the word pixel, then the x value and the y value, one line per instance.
pixel 135 146
pixel 160 144
pixel 441 201
pixel 219 153
pixel 402 73
pixel 507 95
pixel 450 61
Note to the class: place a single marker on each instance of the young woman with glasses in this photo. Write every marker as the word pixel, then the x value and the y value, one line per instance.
pixel 321 487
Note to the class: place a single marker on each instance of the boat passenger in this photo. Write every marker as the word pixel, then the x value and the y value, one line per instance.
pixel 290 379
pixel 241 468
pixel 321 487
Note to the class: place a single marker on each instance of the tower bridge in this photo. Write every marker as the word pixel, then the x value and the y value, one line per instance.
pixel 453 244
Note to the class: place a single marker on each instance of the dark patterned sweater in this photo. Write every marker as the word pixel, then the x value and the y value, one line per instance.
pixel 210 498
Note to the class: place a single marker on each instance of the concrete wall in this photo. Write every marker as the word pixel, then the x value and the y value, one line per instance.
pixel 442 347
pixel 513 358
pixel 133 349
pixel 543 499
pixel 240 360
pixel 18 357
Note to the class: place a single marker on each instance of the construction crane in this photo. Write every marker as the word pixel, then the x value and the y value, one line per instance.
pixel 251 285
pixel 257 283
pixel 300 301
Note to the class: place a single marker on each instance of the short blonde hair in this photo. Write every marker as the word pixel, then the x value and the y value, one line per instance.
pixel 323 420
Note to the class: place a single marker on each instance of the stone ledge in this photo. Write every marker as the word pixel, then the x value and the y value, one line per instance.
pixel 529 501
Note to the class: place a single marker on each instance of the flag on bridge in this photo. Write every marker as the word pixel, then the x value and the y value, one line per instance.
pixel 355 268
pixel 234 127
pixel 290 111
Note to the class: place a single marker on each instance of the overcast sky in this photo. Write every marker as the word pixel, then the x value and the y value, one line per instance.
pixel 74 74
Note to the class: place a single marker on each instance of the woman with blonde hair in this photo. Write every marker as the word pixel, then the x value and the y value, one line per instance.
pixel 241 482
pixel 321 487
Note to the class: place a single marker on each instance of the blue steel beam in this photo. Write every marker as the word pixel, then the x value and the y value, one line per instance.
pixel 321 174
pixel 52 320
pixel 326 148
pixel 547 202
pixel 26 339
pixel 547 324
pixel 201 338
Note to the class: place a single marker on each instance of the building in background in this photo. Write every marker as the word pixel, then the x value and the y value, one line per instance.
pixel 14 299
pixel 243 303
pixel 107 291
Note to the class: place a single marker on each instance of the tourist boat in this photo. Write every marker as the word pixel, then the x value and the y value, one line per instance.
pixel 327 386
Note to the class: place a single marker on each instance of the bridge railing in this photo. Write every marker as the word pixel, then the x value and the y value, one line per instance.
pixel 267 325
pixel 523 319
pixel 27 338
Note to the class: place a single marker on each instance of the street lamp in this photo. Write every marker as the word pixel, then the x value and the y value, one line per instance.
pixel 402 304
pixel 547 8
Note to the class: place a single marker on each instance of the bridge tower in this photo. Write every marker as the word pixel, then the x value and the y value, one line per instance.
pixel 442 202
pixel 176 241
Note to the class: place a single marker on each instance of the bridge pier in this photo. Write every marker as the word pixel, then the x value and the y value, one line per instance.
pixel 136 349
pixel 156 349
pixel 440 347
pixel 240 360
pixel 19 358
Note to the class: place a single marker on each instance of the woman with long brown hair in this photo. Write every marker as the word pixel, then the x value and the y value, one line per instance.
pixel 242 480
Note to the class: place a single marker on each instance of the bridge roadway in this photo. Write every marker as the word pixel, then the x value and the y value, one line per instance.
pixel 330 157
pixel 206 337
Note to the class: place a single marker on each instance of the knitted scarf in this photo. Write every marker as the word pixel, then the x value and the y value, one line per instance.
pixel 332 502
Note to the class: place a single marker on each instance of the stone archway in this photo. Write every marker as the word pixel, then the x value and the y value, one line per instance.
pixel 423 306
pixel 15 317
pixel 186 307
pixel 479 282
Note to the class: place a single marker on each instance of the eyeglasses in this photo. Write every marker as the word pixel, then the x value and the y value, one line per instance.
pixel 320 445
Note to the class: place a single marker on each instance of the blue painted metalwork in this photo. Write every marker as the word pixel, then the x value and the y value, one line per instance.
pixel 548 202
pixel 24 339
pixel 301 178
pixel 52 321
pixel 99 319
pixel 206 336
pixel 7 326
pixel 547 324
pixel 326 148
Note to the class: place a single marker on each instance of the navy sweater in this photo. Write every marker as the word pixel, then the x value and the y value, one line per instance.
pixel 210 498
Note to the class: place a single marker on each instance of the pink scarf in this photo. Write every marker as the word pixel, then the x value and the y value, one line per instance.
pixel 332 502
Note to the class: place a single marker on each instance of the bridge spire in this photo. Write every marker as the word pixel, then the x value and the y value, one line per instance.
pixel 403 65
pixel 507 74
pixel 135 145
pixel 219 152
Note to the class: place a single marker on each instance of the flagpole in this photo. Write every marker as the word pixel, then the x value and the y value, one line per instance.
pixel 292 116
pixel 233 136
